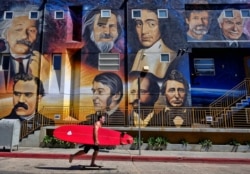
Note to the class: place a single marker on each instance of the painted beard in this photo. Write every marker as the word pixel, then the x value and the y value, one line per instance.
pixel 104 47
pixel 144 107
pixel 200 30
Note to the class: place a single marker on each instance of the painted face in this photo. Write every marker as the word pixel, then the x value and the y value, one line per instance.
pixel 25 97
pixel 105 31
pixel 147 28
pixel 21 35
pixel 175 93
pixel 145 97
pixel 198 23
pixel 232 28
pixel 101 96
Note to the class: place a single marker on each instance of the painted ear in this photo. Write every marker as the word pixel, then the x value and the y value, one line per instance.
pixel 116 96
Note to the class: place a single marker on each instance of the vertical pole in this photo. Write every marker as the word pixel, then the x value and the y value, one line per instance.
pixel 139 114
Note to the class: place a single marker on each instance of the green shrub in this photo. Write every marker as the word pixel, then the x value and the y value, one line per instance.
pixel 136 141
pixel 151 141
pixel 248 143
pixel 52 142
pixel 234 142
pixel 157 143
pixel 184 142
pixel 206 144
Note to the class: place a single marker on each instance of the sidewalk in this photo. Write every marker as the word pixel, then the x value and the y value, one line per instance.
pixel 133 155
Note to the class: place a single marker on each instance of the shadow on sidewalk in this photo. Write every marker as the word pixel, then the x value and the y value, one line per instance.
pixel 75 167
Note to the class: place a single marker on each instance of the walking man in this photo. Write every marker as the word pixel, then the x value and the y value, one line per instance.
pixel 97 125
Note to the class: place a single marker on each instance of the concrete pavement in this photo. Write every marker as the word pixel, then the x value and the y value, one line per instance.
pixel 133 155
pixel 62 166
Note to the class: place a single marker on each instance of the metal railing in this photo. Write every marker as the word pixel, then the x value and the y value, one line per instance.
pixel 229 99
pixel 234 95
pixel 191 116
pixel 29 126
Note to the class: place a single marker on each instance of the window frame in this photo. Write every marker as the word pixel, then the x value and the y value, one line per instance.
pixel 104 62
pixel 246 10
pixel 30 14
pixel 55 66
pixel 231 13
pixel 200 68
pixel 164 54
pixel 6 14
pixel 159 11
pixel 56 13
pixel 134 11
pixel 2 64
pixel 105 11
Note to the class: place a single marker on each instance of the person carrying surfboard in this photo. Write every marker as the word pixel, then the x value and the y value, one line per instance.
pixel 97 125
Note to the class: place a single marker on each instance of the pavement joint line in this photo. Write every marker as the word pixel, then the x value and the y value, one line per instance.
pixel 130 157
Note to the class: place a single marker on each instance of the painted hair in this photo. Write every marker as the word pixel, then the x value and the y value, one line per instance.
pixel 113 81
pixel 28 77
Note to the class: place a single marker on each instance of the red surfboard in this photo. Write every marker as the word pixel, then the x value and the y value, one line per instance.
pixel 82 134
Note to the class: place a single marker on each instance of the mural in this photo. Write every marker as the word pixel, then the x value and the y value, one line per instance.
pixel 149 91
pixel 104 42
pixel 146 35
pixel 231 28
pixel 107 91
pixel 143 49
pixel 154 49
pixel 22 60
pixel 27 91
pixel 198 21
pixel 21 36
pixel 102 36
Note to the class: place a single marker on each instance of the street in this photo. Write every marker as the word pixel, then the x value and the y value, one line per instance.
pixel 49 166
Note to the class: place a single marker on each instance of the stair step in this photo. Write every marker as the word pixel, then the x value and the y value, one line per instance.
pixel 31 141
pixel 245 101
pixel 234 108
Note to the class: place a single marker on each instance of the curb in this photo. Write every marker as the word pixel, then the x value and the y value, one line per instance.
pixel 134 158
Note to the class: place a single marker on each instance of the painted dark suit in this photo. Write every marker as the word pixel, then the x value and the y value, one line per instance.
pixel 15 65
pixel 242 42
pixel 116 118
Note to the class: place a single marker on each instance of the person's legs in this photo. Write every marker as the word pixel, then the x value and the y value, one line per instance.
pixel 94 155
pixel 81 152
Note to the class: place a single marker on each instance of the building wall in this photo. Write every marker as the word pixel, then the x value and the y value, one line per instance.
pixel 67 60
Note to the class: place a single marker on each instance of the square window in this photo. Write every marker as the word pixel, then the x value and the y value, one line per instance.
pixel 105 13
pixel 136 13
pixel 59 15
pixel 229 14
pixel 245 13
pixel 109 62
pixel 8 15
pixel 204 66
pixel 57 61
pixel 162 13
pixel 33 15
pixel 165 57
pixel 5 62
